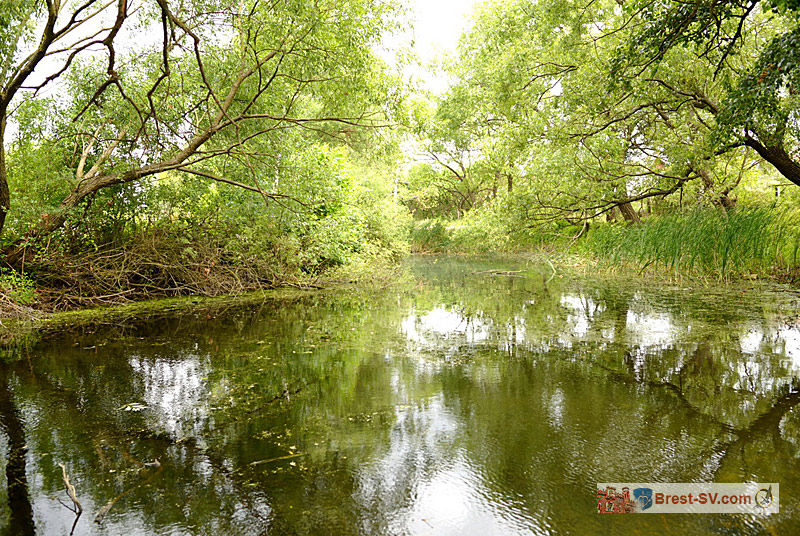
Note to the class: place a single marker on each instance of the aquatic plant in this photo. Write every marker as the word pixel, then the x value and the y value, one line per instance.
pixel 707 242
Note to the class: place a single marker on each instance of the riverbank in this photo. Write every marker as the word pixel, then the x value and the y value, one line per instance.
pixel 45 310
pixel 33 324
pixel 22 325
pixel 704 244
pixel 49 302
pixel 705 247
pixel 153 269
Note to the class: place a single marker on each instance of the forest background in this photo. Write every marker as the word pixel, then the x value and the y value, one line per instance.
pixel 164 147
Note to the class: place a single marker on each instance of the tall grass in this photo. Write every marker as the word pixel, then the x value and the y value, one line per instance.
pixel 429 236
pixel 706 242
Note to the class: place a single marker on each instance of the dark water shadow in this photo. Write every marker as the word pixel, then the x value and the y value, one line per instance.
pixel 21 512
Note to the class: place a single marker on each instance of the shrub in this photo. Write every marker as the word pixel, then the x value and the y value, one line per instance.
pixel 17 288
pixel 429 236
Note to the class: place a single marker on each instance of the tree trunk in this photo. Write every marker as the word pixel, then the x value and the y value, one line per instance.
pixel 628 213
pixel 722 199
pixel 778 157
pixel 727 203
pixel 5 193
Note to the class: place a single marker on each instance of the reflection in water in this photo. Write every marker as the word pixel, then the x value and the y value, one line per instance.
pixel 174 389
pixel 583 313
pixel 429 483
pixel 19 517
pixel 751 341
pixel 454 497
pixel 465 403
pixel 649 330
pixel 788 344
pixel 430 328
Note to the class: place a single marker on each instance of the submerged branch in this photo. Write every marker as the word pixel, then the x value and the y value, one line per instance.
pixel 110 504
pixel 78 509
pixel 510 273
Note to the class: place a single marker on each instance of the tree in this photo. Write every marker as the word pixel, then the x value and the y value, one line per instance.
pixel 613 105
pixel 454 174
pixel 200 88
pixel 466 148
pixel 759 110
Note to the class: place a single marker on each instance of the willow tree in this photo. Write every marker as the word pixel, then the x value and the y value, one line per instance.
pixel 609 103
pixel 455 173
pixel 751 46
pixel 114 91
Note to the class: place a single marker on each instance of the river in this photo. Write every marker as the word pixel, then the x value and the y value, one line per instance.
pixel 460 401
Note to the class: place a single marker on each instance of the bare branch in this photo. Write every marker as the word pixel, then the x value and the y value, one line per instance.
pixel 238 184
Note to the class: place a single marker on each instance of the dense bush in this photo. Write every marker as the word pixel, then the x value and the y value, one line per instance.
pixel 177 234
pixel 17 289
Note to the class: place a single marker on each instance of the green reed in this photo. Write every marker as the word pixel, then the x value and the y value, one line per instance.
pixel 705 242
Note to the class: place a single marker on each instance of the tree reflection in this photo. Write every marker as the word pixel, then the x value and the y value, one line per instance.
pixel 20 514
pixel 462 404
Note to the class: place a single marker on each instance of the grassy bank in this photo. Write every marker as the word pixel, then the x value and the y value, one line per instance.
pixel 25 329
pixel 710 244
pixel 744 243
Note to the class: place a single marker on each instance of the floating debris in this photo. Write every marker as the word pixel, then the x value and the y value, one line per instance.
pixel 133 406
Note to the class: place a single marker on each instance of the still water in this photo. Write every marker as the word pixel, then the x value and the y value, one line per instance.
pixel 459 402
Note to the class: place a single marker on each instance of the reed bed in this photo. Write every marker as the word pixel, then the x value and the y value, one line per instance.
pixel 749 242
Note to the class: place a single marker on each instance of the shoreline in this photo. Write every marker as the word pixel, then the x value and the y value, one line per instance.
pixel 25 324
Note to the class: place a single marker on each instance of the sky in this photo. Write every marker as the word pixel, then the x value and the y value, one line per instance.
pixel 437 26
pixel 439 23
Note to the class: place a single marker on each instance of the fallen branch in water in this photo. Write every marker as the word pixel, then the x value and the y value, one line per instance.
pixel 552 268
pixel 110 504
pixel 259 462
pixel 510 273
pixel 77 508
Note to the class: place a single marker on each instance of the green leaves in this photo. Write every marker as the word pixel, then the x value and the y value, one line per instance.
pixel 212 88
pixel 782 6
pixel 17 22
pixel 762 98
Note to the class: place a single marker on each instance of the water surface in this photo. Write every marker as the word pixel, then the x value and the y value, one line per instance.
pixel 458 403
